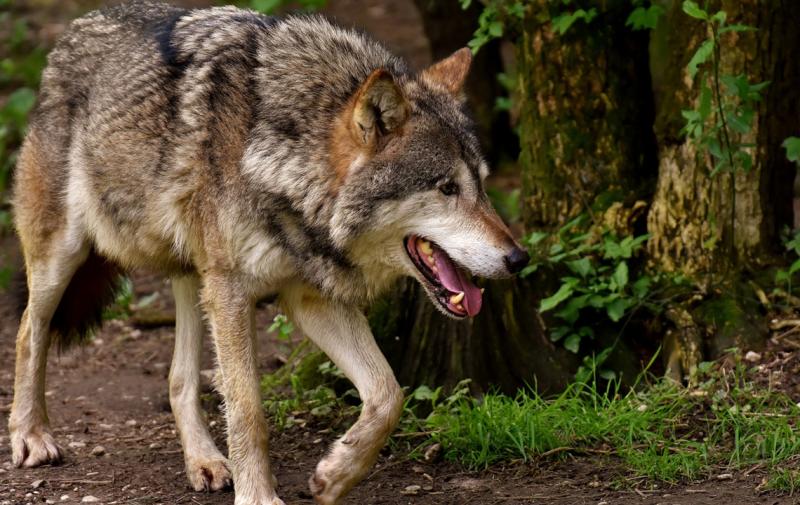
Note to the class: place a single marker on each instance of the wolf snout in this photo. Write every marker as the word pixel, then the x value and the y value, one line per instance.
pixel 516 260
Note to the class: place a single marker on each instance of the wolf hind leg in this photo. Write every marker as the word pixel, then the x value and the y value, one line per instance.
pixel 206 468
pixel 49 274
pixel 343 333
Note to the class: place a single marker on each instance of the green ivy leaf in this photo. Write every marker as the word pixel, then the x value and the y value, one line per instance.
pixel 582 267
pixel 564 21
pixel 620 276
pixel 792 146
pixel 617 309
pixel 564 292
pixel 737 28
pixel 645 18
pixel 694 10
pixel 573 343
pixel 700 56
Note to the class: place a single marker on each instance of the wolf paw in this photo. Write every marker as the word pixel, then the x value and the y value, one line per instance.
pixel 323 490
pixel 209 475
pixel 35 448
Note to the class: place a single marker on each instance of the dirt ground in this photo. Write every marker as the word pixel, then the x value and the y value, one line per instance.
pixel 113 394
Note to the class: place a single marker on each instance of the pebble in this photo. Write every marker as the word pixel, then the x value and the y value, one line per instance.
pixel 131 422
pixel 77 445
pixel 64 497
pixel 37 483
pixel 98 450
pixel 411 490
pixel 154 446
pixel 752 356
pixel 90 499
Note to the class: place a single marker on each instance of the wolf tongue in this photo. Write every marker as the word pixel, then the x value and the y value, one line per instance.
pixel 455 281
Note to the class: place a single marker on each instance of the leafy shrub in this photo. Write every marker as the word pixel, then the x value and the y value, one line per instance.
pixel 595 275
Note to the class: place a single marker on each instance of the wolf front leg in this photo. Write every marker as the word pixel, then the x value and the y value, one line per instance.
pixel 231 312
pixel 343 333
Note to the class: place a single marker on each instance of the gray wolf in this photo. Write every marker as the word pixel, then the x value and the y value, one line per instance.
pixel 246 156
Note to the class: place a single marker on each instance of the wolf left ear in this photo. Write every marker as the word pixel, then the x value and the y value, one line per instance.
pixel 451 72
pixel 380 107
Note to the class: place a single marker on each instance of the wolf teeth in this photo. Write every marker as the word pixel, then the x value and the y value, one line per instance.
pixel 456 299
pixel 425 247
pixel 431 260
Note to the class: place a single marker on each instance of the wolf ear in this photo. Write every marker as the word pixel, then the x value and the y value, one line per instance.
pixel 451 72
pixel 379 108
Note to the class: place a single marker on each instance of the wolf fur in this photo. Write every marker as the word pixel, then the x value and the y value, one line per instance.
pixel 243 156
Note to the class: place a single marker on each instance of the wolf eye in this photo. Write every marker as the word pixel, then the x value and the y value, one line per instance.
pixel 449 188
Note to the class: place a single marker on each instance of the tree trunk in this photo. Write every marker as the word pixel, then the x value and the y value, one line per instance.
pixel 582 135
pixel 586 114
pixel 714 227
pixel 711 226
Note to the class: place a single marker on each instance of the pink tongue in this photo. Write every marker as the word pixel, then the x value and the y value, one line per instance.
pixel 454 280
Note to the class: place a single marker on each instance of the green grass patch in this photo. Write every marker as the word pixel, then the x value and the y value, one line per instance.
pixel 658 429
pixel 661 430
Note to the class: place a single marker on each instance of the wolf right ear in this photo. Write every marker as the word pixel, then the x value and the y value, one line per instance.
pixel 379 108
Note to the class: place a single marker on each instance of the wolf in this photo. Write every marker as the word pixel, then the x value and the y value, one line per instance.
pixel 245 156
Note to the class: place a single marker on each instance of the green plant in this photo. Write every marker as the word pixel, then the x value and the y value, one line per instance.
pixel 726 107
pixel 123 301
pixel 282 326
pixel 305 389
pixel 598 280
pixel 644 17
pixel 792 146
pixel 792 245
pixel 272 6
pixel 659 430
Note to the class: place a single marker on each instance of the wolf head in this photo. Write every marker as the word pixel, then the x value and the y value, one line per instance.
pixel 405 153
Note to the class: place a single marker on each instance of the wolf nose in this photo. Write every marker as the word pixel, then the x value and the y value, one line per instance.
pixel 516 260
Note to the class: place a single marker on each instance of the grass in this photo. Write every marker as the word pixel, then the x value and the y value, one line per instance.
pixel 662 430
pixel 659 430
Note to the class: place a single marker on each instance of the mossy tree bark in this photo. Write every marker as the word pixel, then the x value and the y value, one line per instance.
pixel 709 226
pixel 714 228
pixel 586 113
pixel 584 131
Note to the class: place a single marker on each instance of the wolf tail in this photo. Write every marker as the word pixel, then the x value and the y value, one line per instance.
pixel 80 311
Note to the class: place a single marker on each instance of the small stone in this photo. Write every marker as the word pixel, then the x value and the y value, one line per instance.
pixel 64 497
pixel 725 476
pixel 411 490
pixel 752 356
pixel 90 499
pixel 154 446
pixel 131 422
pixel 77 445
pixel 433 452
pixel 104 426
pixel 37 483
pixel 99 450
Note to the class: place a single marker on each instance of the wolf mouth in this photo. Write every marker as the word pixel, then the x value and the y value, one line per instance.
pixel 448 282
